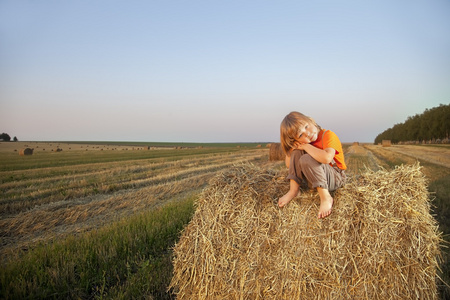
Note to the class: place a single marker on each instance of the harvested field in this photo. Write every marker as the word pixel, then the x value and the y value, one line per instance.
pixel 436 154
pixel 359 159
pixel 52 146
pixel 86 208
pixel 83 191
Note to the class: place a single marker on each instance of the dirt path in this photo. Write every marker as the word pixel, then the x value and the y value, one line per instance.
pixel 436 155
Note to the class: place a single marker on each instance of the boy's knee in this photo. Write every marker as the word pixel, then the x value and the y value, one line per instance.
pixel 297 153
pixel 306 160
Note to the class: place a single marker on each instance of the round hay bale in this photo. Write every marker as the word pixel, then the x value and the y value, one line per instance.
pixel 26 151
pixel 276 152
pixel 380 242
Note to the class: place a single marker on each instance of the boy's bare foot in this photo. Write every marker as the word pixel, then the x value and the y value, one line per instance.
pixel 325 208
pixel 285 199
pixel 326 203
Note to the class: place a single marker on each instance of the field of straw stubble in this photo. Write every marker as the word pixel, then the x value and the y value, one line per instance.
pixel 53 196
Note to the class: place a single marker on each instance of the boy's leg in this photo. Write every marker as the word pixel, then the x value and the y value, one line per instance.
pixel 295 177
pixel 321 175
pixel 324 178
pixel 295 169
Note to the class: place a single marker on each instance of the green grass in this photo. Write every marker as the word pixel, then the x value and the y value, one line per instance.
pixel 126 260
pixel 440 190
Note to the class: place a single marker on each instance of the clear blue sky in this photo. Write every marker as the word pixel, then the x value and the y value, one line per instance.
pixel 218 71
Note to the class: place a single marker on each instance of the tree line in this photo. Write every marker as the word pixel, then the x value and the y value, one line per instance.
pixel 7 138
pixel 432 126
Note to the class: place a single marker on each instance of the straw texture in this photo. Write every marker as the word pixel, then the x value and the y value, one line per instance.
pixel 380 242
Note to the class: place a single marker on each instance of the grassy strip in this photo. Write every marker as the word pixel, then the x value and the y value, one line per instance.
pixel 440 189
pixel 129 259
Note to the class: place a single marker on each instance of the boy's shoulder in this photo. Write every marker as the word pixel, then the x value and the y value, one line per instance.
pixel 327 133
pixel 330 137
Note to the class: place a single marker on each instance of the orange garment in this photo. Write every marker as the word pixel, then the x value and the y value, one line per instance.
pixel 328 139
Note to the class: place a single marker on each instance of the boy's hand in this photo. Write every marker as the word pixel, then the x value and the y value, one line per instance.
pixel 299 146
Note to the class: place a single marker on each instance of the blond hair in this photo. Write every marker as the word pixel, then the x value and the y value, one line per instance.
pixel 290 129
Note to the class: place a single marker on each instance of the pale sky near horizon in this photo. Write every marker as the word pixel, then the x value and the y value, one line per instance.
pixel 217 71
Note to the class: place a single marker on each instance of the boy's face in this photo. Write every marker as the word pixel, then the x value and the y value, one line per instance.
pixel 307 134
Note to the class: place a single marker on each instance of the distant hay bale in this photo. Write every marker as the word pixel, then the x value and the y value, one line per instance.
pixel 276 152
pixel 380 242
pixel 26 151
pixel 386 143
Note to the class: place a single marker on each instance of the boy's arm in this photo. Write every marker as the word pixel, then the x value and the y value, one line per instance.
pixel 324 156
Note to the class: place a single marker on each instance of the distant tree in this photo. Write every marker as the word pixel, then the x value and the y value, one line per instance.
pixel 432 124
pixel 412 127
pixel 5 137
pixel 15 139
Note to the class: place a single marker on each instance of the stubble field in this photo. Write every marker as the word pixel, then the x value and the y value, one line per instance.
pixel 53 202
pixel 52 194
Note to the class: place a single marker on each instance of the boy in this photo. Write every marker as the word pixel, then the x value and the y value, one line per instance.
pixel 313 155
